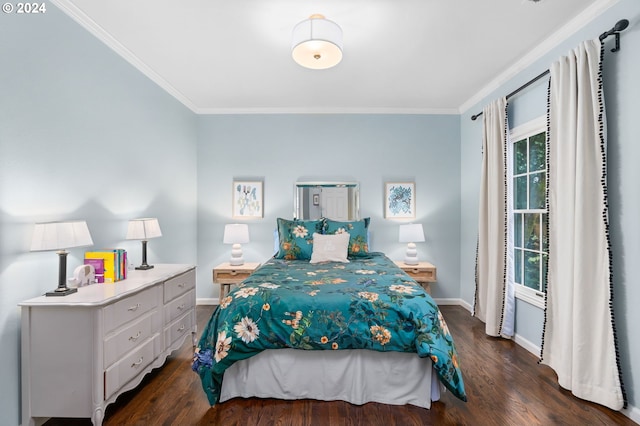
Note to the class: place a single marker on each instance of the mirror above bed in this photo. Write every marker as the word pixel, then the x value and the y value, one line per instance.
pixel 332 200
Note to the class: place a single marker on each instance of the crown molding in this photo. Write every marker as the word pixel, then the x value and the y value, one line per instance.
pixel 101 34
pixel 328 110
pixel 573 26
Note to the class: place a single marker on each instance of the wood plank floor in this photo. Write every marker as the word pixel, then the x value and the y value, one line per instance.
pixel 504 383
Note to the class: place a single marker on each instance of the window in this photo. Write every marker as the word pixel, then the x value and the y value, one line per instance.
pixel 529 210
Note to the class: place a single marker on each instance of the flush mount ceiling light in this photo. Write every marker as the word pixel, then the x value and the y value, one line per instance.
pixel 317 43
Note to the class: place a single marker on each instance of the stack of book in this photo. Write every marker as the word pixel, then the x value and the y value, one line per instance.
pixel 110 264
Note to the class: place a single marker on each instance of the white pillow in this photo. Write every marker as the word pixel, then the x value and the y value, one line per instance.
pixel 330 248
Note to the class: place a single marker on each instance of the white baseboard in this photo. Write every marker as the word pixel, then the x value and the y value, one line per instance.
pixel 207 301
pixel 633 413
pixel 531 347
pixel 455 302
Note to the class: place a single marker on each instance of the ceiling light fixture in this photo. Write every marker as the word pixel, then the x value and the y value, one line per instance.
pixel 317 43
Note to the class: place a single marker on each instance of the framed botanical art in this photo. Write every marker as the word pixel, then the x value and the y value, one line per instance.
pixel 247 199
pixel 400 200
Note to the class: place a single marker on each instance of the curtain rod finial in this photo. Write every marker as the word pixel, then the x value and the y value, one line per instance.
pixel 621 25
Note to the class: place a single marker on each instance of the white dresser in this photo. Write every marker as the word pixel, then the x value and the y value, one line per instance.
pixel 81 351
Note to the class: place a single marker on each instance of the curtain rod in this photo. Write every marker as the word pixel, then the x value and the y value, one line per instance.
pixel 619 26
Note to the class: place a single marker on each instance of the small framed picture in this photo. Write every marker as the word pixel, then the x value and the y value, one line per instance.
pixel 400 200
pixel 316 199
pixel 247 199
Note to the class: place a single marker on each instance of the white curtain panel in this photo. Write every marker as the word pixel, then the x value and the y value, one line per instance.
pixel 491 262
pixel 578 341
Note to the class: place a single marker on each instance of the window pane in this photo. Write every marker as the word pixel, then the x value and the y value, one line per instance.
pixel 520 192
pixel 537 152
pixel 520 157
pixel 518 266
pixel 530 216
pixel 532 270
pixel 517 230
pixel 532 231
pixel 537 188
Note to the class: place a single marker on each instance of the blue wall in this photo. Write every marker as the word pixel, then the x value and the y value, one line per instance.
pixel 622 97
pixel 83 135
pixel 371 149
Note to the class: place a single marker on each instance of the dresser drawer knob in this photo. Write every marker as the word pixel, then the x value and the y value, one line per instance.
pixel 182 327
pixel 181 285
pixel 181 307
pixel 136 337
pixel 233 273
pixel 134 307
pixel 137 363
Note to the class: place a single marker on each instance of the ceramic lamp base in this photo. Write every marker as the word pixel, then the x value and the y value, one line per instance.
pixel 411 256
pixel 236 255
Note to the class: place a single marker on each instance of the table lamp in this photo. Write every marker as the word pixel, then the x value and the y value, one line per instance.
pixel 411 233
pixel 236 234
pixel 144 229
pixel 60 236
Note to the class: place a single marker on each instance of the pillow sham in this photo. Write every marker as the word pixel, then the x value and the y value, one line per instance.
pixel 357 230
pixel 295 238
pixel 330 248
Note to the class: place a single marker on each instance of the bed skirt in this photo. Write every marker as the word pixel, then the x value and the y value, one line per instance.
pixel 355 376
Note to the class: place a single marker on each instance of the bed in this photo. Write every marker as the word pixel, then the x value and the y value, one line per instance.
pixel 327 319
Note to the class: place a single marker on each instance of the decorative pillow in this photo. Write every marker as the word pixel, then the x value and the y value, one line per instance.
pixel 330 248
pixel 295 238
pixel 357 229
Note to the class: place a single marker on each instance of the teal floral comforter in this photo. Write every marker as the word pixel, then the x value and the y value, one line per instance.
pixel 366 304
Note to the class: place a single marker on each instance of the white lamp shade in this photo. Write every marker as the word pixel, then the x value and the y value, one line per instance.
pixel 411 233
pixel 237 233
pixel 60 235
pixel 143 229
pixel 317 43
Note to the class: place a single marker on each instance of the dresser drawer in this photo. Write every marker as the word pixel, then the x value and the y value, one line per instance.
pixel 179 306
pixel 128 338
pixel 127 310
pixel 179 285
pixel 120 373
pixel 178 328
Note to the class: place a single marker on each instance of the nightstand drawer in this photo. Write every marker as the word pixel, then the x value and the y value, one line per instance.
pixel 226 274
pixel 232 276
pixel 423 272
pixel 421 275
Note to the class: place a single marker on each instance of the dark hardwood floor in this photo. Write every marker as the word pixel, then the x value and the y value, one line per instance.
pixel 504 383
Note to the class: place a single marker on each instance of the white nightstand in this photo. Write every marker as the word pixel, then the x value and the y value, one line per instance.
pixel 424 273
pixel 226 274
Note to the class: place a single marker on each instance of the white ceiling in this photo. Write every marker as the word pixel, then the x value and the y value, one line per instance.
pixel 400 56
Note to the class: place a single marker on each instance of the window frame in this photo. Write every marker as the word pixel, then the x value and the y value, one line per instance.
pixel 526 130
